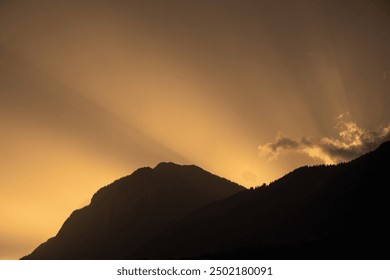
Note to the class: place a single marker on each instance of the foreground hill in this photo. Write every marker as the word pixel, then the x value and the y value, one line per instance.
pixel 132 210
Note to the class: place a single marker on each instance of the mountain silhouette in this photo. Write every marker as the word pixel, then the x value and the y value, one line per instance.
pixel 319 212
pixel 124 215
pixel 183 212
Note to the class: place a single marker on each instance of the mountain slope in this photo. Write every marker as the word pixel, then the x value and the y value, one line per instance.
pixel 183 212
pixel 132 210
pixel 321 212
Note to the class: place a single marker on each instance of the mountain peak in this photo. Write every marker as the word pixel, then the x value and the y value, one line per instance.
pixel 171 166
pixel 165 165
pixel 133 210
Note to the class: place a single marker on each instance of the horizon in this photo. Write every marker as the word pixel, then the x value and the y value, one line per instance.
pixel 249 90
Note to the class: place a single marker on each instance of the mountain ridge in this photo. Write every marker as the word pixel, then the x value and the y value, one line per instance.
pixel 316 212
pixel 132 209
pixel 320 212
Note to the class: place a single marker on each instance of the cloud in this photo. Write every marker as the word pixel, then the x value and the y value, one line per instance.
pixel 352 142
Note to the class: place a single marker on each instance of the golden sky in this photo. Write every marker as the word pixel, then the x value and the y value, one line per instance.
pixel 92 90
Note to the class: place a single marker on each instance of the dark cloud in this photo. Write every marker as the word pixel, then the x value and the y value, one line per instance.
pixel 352 142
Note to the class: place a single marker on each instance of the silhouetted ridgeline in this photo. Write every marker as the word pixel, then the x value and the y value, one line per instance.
pixel 321 212
pixel 132 210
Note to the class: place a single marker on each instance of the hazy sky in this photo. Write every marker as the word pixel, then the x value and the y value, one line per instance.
pixel 92 90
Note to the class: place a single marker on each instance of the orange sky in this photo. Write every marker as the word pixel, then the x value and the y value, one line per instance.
pixel 92 90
